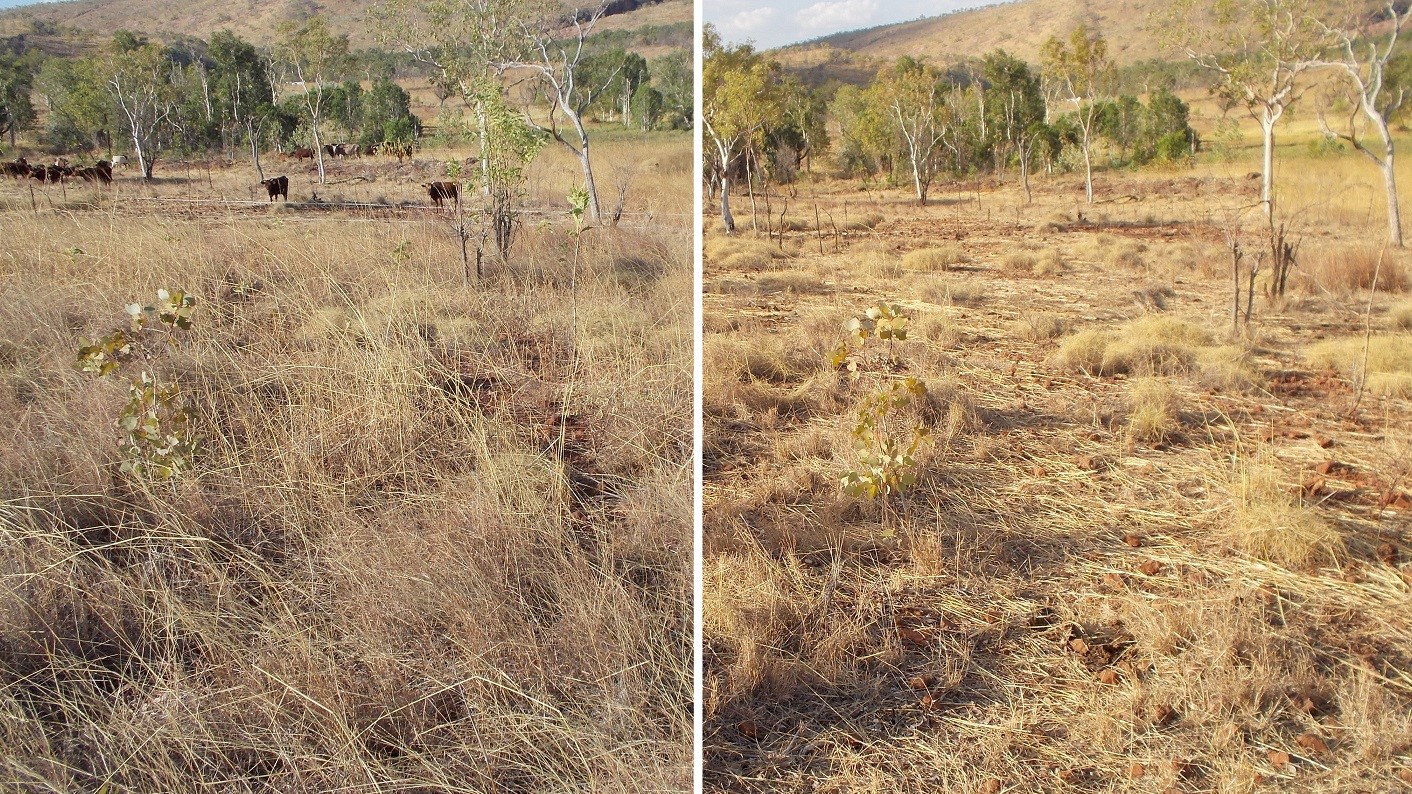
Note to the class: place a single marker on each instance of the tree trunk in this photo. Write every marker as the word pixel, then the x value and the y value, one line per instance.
pixel 726 219
pixel 1394 212
pixel 1025 173
pixel 254 151
pixel 319 151
pixel 587 165
pixel 917 182
pixel 1088 168
pixel 143 164
pixel 1267 174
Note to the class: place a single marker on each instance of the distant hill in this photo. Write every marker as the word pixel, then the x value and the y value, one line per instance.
pixel 1019 27
pixel 259 20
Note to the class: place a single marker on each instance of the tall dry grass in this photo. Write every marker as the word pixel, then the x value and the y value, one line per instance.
pixel 437 539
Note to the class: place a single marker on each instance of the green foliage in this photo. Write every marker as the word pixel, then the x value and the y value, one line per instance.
pixel 155 436
pixel 578 205
pixel 154 432
pixel 16 84
pixel 886 444
pixel 887 461
pixel 673 76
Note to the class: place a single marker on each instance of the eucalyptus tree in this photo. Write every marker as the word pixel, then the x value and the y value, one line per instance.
pixel 1378 82
pixel 80 110
pixel 16 85
pixel 1260 50
pixel 557 62
pixel 1082 75
pixel 738 98
pixel 914 97
pixel 242 89
pixel 314 57
pixel 806 114
pixel 464 44
pixel 138 78
pixel 1015 108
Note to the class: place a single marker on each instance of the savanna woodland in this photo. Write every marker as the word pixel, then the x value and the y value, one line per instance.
pixel 1058 404
pixel 345 361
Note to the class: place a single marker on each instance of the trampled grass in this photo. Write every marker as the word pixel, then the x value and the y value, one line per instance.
pixel 1145 550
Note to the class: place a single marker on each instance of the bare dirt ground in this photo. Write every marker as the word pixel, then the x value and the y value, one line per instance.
pixel 1074 596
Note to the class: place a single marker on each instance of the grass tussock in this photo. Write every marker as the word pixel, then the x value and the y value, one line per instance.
pixel 1340 270
pixel 1154 344
pixel 1388 369
pixel 1154 410
pixel 1270 525
pixel 1400 316
pixel 932 260
pixel 1129 256
pixel 740 253
pixel 1040 326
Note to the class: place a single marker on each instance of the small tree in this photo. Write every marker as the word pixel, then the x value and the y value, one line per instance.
pixel 738 98
pixel 242 91
pixel 1259 49
pixel 1016 109
pixel 1083 76
pixel 314 57
pixel 16 84
pixel 557 65
pixel 1378 89
pixel 139 82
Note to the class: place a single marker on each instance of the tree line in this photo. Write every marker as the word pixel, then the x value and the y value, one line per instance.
pixel 1074 110
pixel 308 88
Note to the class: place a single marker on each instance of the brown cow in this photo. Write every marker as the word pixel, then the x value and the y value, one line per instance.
pixel 302 154
pixel 15 170
pixel 441 192
pixel 94 173
pixel 277 186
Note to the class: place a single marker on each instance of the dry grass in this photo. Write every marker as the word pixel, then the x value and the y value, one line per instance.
pixel 1270 525
pixel 1077 586
pixel 1400 316
pixel 930 260
pixel 1039 326
pixel 1341 269
pixel 384 571
pixel 1383 364
pixel 1154 344
pixel 1154 415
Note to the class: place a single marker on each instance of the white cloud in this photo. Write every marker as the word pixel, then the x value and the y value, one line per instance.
pixel 832 15
pixel 747 22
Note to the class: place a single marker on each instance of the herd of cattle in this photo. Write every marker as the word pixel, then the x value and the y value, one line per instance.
pixel 396 149
pixel 60 170
pixel 440 193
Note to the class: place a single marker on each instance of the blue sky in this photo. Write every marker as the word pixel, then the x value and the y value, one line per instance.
pixel 774 23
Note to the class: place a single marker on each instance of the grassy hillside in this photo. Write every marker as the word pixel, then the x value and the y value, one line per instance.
pixel 257 20
pixel 1019 27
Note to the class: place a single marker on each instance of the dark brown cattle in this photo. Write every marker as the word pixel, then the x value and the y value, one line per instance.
pixel 15 170
pixel 38 172
pixel 94 173
pixel 302 154
pixel 277 186
pixel 441 192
